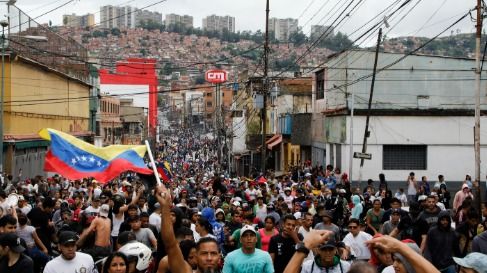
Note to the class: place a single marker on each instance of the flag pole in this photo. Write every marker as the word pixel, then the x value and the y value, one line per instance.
pixel 153 164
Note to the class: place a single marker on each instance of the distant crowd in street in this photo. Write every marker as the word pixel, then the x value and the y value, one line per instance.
pixel 310 219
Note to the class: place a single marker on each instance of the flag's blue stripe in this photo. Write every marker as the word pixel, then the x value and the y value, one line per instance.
pixel 84 161
pixel 165 168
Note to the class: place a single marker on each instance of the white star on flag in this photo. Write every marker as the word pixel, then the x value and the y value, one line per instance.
pixel 92 159
pixel 73 161
pixel 98 163
pixel 77 157
pixel 83 158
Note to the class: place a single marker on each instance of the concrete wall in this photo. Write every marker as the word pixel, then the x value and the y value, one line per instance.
pixel 449 143
pixel 414 82
pixel 239 131
pixel 41 98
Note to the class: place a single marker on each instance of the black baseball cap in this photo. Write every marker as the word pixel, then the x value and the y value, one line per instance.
pixel 12 241
pixel 67 237
pixel 331 244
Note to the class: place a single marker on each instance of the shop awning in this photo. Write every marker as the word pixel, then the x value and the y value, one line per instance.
pixel 275 142
pixel 272 139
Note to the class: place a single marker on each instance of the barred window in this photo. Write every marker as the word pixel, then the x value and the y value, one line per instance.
pixel 404 157
pixel 320 85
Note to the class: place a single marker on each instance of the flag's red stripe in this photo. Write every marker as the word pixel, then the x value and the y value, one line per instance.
pixel 117 166
pixel 163 174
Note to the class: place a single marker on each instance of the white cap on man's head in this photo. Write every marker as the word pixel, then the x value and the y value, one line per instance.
pixel 104 210
pixel 247 228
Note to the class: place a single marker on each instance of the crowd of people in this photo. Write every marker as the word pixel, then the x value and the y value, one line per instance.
pixel 202 220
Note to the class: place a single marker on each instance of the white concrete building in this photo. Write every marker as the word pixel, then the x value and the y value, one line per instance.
pixel 421 119
pixel 117 17
pixel 283 28
pixel 185 21
pixel 219 23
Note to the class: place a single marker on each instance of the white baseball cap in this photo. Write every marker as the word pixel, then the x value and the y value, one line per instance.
pixel 247 228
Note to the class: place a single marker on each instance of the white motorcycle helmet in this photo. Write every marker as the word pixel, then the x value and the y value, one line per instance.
pixel 140 251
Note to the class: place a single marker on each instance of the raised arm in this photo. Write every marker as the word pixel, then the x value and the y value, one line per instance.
pixel 175 257
pixel 39 243
pixel 86 232
pixel 311 241
pixel 420 264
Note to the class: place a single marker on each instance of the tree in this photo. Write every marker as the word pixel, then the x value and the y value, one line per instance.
pixel 336 42
pixel 298 38
pixel 151 25
pixel 167 68
pixel 115 31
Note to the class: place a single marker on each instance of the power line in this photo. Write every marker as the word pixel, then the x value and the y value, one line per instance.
pixel 121 4
pixel 45 13
pixel 74 58
pixel 369 32
pixel 306 9
pixel 127 13
pixel 320 37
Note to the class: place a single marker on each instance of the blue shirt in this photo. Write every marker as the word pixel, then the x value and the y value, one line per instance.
pixel 238 262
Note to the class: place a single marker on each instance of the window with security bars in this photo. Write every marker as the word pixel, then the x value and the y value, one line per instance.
pixel 404 157
pixel 320 85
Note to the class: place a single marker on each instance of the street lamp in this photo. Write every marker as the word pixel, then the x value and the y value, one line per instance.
pixel 4 24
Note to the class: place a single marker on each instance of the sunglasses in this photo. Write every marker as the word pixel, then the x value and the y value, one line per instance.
pixel 352 227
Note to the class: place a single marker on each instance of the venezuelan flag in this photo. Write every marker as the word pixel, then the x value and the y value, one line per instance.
pixel 164 169
pixel 76 159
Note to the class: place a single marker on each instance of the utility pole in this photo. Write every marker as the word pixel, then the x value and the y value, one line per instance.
pixel 477 99
pixel 4 24
pixel 367 133
pixel 265 87
pixel 351 137
pixel 218 121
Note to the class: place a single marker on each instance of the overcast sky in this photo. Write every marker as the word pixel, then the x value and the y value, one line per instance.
pixel 427 18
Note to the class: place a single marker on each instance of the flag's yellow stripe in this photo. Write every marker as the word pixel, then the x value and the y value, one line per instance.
pixel 107 153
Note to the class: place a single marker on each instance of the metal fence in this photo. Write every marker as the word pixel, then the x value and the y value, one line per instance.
pixel 42 44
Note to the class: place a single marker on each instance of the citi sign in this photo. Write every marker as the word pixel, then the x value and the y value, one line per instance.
pixel 216 76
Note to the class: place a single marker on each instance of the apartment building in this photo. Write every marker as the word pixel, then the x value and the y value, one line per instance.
pixel 73 20
pixel 185 21
pixel 219 23
pixel 117 17
pixel 283 28
pixel 318 30
pixel 146 16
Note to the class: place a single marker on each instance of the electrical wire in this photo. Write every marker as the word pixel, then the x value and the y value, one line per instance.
pixel 404 56
pixel 43 14
pixel 322 36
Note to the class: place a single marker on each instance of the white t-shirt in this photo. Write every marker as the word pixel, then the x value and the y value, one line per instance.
pixel 26 209
pixel 97 192
pixel 289 200
pixel 26 233
pixel 357 245
pixel 155 220
pixel 389 269
pixel 308 267
pixel 80 263
pixel 91 211
pixel 196 235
